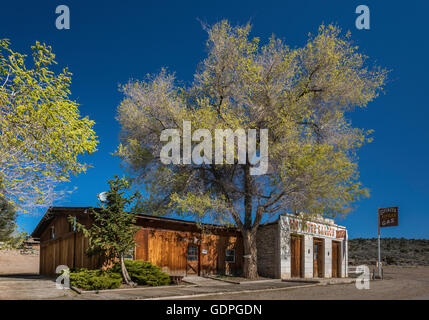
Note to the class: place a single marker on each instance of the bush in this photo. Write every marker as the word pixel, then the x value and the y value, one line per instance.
pixel 390 260
pixel 94 279
pixel 143 273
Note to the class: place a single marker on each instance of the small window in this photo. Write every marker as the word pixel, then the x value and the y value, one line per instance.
pixel 52 233
pixel 72 225
pixel 129 255
pixel 230 255
pixel 192 253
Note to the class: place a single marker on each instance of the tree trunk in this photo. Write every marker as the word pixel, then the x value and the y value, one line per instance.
pixel 125 274
pixel 250 267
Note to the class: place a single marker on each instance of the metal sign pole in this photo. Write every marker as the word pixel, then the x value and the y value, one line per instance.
pixel 379 249
pixel 387 217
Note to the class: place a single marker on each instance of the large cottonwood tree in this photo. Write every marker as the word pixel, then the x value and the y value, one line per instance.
pixel 301 95
pixel 41 130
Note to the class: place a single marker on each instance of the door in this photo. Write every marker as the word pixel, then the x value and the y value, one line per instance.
pixel 336 259
pixel 295 245
pixel 193 260
pixel 317 258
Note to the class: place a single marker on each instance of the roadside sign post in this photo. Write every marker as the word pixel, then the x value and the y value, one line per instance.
pixel 387 217
pixel 379 247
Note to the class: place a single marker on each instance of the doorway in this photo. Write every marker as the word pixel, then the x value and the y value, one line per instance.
pixel 318 258
pixel 336 263
pixel 193 261
pixel 295 251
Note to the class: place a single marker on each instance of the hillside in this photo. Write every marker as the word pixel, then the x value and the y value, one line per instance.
pixel 394 251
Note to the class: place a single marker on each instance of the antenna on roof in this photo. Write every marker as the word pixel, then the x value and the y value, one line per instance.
pixel 102 196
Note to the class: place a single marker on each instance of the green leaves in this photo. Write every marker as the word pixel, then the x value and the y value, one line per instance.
pixel 301 95
pixel 42 133
pixel 112 228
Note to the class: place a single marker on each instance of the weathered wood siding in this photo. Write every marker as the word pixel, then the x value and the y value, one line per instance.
pixel 67 248
pixel 168 250
pixel 162 242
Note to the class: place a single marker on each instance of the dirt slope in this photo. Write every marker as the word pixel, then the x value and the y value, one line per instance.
pixel 13 262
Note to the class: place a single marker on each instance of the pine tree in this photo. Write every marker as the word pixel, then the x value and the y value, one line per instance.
pixel 112 231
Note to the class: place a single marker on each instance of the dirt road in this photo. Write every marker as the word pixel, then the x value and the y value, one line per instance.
pixel 400 283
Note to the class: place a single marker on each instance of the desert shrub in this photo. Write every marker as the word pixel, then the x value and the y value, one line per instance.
pixel 390 260
pixel 143 273
pixel 94 279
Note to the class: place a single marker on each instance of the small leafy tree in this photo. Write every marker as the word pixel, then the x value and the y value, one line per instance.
pixel 16 239
pixel 112 231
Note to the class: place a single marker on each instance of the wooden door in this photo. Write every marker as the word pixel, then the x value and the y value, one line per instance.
pixel 317 258
pixel 193 260
pixel 335 259
pixel 295 246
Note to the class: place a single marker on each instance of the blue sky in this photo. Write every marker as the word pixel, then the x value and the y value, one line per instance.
pixel 110 42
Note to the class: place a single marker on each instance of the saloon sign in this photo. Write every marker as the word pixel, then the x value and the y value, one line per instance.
pixel 314 228
pixel 388 217
pixel 341 234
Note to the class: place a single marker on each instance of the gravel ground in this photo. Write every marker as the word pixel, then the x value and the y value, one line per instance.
pixel 399 283
pixel 31 287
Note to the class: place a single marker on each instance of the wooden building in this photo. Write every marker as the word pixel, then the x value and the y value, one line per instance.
pixel 290 247
pixel 31 244
pixel 179 247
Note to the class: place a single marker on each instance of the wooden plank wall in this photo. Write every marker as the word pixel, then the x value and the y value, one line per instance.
pixel 68 250
pixel 168 250
pixel 162 246
pixel 54 253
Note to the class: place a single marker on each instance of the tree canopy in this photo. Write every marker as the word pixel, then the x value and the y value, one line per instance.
pixel 41 130
pixel 301 95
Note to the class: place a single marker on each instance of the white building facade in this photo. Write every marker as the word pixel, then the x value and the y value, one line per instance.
pixel 295 247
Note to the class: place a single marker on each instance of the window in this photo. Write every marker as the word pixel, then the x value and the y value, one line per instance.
pixel 51 233
pixel 316 250
pixel 192 253
pixel 230 255
pixel 72 225
pixel 129 255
